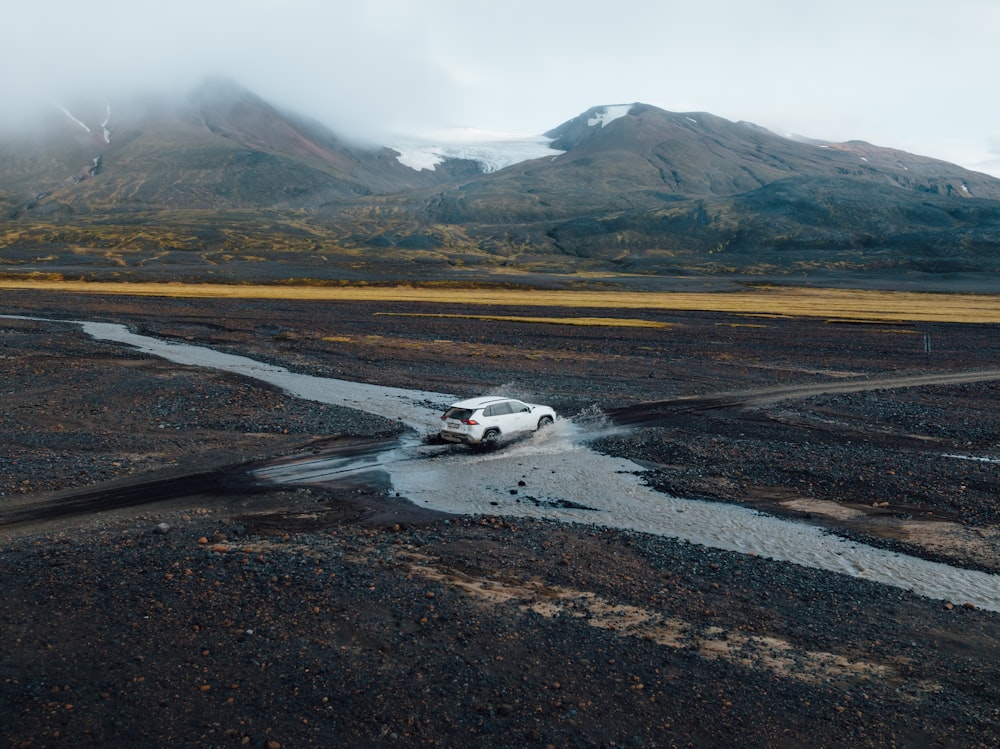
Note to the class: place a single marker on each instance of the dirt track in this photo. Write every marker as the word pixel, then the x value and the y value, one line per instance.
pixel 309 618
pixel 644 413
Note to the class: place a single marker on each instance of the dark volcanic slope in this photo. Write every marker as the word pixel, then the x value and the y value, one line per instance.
pixel 697 154
pixel 650 158
pixel 661 192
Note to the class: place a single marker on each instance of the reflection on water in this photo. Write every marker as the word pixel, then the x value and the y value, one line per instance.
pixel 555 474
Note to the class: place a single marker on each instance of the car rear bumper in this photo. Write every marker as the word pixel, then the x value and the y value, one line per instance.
pixel 458 437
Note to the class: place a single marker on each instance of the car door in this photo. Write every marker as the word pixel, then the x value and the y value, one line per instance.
pixel 521 419
pixel 500 417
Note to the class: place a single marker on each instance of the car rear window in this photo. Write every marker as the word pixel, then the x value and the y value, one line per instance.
pixel 461 414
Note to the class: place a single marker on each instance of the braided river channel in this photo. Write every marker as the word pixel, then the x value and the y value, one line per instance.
pixel 555 474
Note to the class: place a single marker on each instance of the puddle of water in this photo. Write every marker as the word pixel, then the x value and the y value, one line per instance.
pixel 555 475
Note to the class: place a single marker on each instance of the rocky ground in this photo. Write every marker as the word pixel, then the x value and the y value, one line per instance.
pixel 154 599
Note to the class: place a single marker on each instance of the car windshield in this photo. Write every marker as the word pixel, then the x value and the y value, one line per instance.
pixel 459 414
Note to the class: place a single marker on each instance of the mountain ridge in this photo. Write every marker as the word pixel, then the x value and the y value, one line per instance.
pixel 628 188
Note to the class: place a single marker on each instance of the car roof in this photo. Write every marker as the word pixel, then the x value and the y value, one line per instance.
pixel 481 402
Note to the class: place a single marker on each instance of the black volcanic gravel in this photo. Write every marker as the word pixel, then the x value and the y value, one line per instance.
pixel 304 640
pixel 313 617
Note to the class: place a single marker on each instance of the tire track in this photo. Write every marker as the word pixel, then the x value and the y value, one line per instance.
pixel 654 412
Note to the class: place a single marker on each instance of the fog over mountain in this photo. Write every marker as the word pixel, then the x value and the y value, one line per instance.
pixel 916 75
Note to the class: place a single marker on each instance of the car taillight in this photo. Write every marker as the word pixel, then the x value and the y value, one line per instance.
pixel 470 422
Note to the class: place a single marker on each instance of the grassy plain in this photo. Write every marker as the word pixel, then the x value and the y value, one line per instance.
pixel 834 304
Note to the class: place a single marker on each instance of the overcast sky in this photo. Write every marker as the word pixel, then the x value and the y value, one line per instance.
pixel 919 75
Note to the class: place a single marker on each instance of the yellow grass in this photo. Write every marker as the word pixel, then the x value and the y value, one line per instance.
pixel 608 322
pixel 840 304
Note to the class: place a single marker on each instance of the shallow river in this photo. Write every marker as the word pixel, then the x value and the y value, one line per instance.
pixel 554 474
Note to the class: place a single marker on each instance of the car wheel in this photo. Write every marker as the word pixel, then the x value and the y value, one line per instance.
pixel 491 438
pixel 545 421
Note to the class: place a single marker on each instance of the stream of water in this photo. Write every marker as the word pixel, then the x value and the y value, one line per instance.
pixel 555 474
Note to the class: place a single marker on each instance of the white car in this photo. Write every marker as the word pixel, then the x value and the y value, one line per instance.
pixel 486 420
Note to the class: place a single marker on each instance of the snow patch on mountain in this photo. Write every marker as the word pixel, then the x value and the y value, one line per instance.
pixel 74 119
pixel 609 114
pixel 105 130
pixel 491 150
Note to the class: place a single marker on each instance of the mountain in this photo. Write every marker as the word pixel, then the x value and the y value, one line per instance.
pixel 220 147
pixel 221 183
pixel 699 154
pixel 637 189
pixel 646 158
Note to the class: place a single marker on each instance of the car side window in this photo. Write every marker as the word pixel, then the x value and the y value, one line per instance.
pixel 502 409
